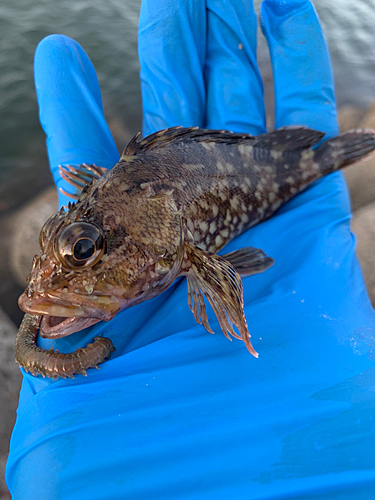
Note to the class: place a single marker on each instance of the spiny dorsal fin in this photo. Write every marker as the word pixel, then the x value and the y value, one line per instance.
pixel 283 139
pixel 215 278
pixel 165 137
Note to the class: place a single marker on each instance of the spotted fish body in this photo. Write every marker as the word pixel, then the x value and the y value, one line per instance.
pixel 173 200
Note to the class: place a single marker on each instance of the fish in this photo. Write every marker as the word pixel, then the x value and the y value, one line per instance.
pixel 173 200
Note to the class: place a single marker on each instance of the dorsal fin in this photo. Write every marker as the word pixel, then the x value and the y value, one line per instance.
pixel 283 139
pixel 289 138
pixel 176 135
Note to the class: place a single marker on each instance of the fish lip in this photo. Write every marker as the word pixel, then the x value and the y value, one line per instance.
pixel 76 316
pixel 55 306
pixel 72 322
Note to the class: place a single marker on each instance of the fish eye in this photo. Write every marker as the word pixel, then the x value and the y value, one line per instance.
pixel 83 249
pixel 80 245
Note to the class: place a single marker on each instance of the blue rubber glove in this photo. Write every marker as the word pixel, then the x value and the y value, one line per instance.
pixel 177 413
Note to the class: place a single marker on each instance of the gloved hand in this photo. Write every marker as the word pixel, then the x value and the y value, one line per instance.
pixel 176 412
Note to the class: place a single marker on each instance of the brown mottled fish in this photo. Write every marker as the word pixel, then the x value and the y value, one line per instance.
pixel 173 200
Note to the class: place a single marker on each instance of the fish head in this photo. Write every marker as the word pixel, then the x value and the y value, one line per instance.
pixel 92 266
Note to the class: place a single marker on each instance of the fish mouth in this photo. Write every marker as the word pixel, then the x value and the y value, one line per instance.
pixel 54 327
pixel 62 317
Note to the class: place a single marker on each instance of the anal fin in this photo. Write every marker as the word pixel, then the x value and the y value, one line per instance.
pixel 249 260
pixel 213 277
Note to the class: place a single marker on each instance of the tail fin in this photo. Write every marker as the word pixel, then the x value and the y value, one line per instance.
pixel 345 149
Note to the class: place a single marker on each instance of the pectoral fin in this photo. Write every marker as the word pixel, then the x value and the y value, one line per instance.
pixel 248 261
pixel 80 176
pixel 211 276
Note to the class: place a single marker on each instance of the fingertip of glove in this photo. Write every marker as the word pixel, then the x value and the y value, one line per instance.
pixel 56 43
pixel 59 52
pixel 59 64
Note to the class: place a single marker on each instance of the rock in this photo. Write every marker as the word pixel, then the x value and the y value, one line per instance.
pixel 368 120
pixel 363 226
pixel 27 224
pixel 361 183
pixel 361 177
pixel 10 380
pixel 349 117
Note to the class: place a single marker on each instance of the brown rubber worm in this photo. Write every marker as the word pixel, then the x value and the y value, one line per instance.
pixel 52 363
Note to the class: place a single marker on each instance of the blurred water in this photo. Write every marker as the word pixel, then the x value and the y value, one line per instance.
pixel 108 32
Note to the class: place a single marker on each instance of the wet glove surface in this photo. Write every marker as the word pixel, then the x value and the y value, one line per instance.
pixel 177 413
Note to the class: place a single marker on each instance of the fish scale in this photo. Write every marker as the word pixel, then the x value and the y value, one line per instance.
pixel 171 202
pixel 223 177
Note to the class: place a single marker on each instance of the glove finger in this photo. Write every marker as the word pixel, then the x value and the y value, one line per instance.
pixel 304 89
pixel 233 82
pixel 172 47
pixel 70 108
